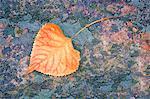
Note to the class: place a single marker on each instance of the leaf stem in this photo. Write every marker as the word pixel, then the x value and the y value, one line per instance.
pixel 88 25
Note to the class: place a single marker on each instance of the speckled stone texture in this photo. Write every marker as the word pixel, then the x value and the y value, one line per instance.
pixel 112 66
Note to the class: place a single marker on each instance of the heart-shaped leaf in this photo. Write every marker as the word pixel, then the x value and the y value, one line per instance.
pixel 53 53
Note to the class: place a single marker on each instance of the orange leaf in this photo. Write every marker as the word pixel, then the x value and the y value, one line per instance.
pixel 53 53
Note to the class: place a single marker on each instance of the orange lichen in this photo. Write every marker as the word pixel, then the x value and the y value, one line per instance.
pixel 145 41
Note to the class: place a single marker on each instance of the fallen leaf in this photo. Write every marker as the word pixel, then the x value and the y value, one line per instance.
pixel 53 53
